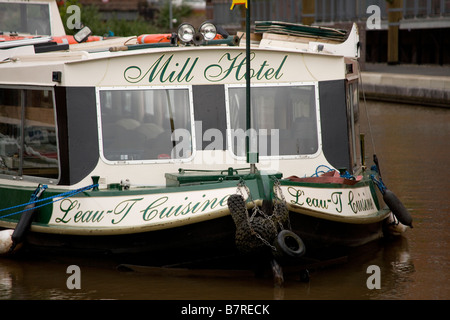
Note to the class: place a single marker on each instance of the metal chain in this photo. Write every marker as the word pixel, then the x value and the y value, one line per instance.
pixel 280 197
pixel 256 210
pixel 264 241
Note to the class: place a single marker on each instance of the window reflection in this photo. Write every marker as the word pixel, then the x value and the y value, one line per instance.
pixel 353 123
pixel 31 18
pixel 284 118
pixel 147 124
pixel 10 130
pixel 28 143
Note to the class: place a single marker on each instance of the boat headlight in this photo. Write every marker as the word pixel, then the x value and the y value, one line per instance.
pixel 185 32
pixel 208 30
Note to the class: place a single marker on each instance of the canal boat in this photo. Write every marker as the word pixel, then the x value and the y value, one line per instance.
pixel 159 152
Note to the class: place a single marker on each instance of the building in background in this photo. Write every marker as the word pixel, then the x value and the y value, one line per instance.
pixel 122 9
pixel 410 31
pixel 131 9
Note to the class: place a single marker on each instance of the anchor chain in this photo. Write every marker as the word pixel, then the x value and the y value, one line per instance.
pixel 255 211
pixel 280 210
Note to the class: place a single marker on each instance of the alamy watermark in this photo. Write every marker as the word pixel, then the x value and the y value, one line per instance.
pixel 374 20
pixel 374 280
pixel 265 142
pixel 74 20
pixel 74 280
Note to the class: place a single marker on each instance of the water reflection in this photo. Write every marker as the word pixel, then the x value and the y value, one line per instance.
pixel 412 145
pixel 25 280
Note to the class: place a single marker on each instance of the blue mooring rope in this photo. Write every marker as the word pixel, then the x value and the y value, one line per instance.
pixel 345 175
pixel 316 174
pixel 33 196
pixel 379 183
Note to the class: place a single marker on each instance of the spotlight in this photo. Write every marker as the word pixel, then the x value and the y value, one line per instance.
pixel 185 32
pixel 208 30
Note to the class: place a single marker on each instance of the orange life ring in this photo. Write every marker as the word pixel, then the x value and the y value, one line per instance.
pixel 94 38
pixel 154 38
pixel 71 40
pixel 218 37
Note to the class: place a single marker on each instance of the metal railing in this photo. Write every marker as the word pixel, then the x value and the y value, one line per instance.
pixel 425 8
pixel 346 10
pixel 277 10
pixel 327 11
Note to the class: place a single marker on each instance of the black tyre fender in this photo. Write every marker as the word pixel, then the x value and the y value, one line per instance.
pixel 289 244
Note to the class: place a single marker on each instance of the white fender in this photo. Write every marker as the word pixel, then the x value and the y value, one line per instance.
pixel 5 240
pixel 395 227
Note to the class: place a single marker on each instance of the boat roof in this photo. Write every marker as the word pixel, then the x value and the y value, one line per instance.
pixel 102 49
pixel 270 36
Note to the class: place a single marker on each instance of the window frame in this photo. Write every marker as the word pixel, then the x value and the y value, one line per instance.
pixel 38 3
pixel 278 157
pixel 20 175
pixel 137 88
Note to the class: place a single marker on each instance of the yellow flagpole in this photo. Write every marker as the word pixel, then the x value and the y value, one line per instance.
pixel 238 2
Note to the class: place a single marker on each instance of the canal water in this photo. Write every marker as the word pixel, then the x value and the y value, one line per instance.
pixel 413 147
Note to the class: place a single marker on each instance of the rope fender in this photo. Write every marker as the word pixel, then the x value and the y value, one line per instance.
pixel 259 232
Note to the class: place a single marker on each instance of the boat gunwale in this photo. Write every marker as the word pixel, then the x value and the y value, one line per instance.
pixel 379 215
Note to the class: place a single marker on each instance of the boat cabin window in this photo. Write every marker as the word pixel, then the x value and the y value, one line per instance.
pixel 145 124
pixel 30 18
pixel 284 118
pixel 28 143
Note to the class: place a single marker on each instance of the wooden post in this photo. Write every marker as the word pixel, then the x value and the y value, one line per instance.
pixel 308 14
pixel 395 13
pixel 243 17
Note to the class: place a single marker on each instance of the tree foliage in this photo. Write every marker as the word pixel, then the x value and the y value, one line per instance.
pixel 92 17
